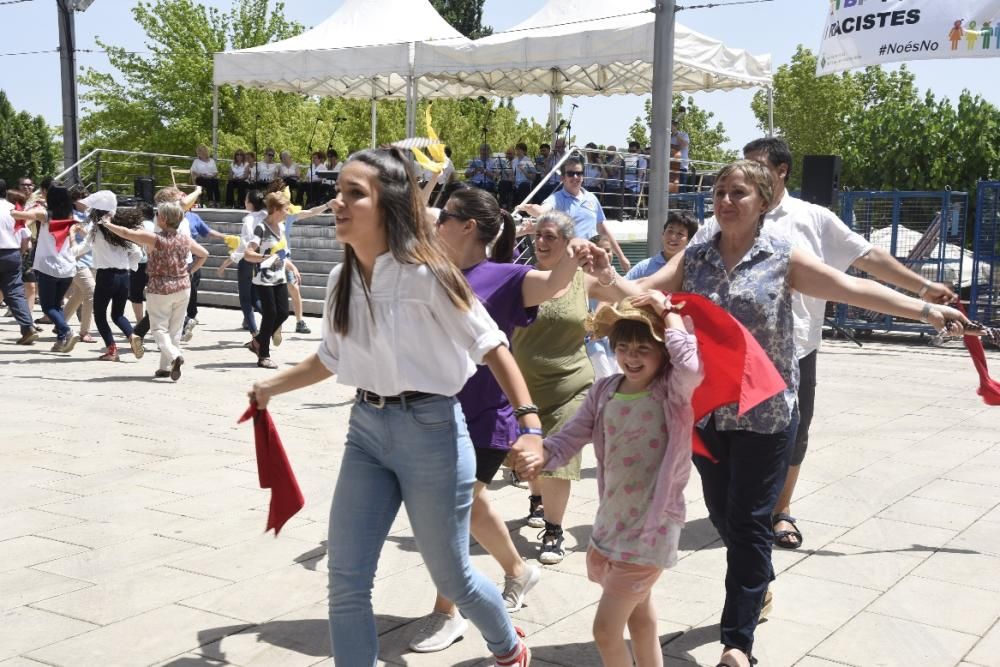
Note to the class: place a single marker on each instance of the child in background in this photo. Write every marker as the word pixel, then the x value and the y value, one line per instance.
pixel 641 423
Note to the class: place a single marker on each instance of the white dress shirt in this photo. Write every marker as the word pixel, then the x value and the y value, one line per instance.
pixel 8 239
pixel 107 255
pixel 204 168
pixel 250 221
pixel 419 340
pixel 816 229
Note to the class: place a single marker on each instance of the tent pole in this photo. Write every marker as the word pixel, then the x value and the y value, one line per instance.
pixel 770 111
pixel 663 100
pixel 374 121
pixel 215 122
pixel 411 96
pixel 553 112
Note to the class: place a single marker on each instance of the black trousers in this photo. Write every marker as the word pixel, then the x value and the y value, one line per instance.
pixel 111 287
pixel 807 405
pixel 740 492
pixel 273 313
pixel 210 186
pixel 192 309
pixel 236 193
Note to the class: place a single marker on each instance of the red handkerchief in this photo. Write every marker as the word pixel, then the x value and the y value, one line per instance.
pixel 274 470
pixel 737 370
pixel 60 231
pixel 989 388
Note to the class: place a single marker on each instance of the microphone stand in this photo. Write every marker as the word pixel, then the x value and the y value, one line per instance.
pixel 311 137
pixel 569 123
pixel 336 124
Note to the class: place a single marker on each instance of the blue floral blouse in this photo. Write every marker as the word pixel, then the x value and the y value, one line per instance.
pixel 757 294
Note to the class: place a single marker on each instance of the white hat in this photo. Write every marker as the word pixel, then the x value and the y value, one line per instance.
pixel 102 200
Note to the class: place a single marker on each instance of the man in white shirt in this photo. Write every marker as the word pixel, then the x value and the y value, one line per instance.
pixel 10 271
pixel 818 230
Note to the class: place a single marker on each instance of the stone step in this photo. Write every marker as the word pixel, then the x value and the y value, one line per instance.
pixel 231 275
pixel 227 299
pixel 212 284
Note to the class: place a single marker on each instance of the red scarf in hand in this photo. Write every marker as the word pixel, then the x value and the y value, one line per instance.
pixel 989 388
pixel 274 470
pixel 737 370
pixel 60 231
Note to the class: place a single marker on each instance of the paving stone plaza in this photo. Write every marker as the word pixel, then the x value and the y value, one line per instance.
pixel 131 523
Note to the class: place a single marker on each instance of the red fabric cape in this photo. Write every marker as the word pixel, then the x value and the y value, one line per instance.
pixel 737 370
pixel 274 470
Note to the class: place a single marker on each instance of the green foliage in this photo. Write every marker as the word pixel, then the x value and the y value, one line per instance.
pixel 888 134
pixel 161 102
pixel 466 16
pixel 706 139
pixel 26 146
pixel 639 129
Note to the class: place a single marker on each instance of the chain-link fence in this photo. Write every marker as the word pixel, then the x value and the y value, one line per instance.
pixel 925 231
pixel 984 296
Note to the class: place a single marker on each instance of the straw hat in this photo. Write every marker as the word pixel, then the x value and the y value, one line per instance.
pixel 601 322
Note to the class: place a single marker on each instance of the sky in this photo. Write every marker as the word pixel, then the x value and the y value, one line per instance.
pixel 776 27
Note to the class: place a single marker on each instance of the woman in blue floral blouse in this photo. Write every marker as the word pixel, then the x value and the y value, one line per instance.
pixel 752 274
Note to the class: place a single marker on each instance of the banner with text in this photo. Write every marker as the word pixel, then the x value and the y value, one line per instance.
pixel 858 33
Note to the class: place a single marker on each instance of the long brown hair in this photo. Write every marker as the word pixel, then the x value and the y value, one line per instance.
pixel 410 240
pixel 494 226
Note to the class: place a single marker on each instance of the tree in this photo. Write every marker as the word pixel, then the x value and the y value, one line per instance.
pixel 465 16
pixel 706 139
pixel 638 131
pixel 888 134
pixel 26 146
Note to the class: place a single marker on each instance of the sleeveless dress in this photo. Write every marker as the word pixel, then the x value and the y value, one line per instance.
pixel 554 363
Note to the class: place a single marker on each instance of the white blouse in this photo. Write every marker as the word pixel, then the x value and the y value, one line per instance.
pixel 418 341
pixel 204 168
pixel 58 263
pixel 238 171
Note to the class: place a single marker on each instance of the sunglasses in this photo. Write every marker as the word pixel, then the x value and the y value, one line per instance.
pixel 444 216
pixel 574 174
pixel 27 185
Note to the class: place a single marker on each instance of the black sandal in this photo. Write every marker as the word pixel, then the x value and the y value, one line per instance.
pixel 753 660
pixel 781 536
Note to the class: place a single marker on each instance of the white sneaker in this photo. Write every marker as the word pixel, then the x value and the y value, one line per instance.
pixel 188 332
pixel 438 631
pixel 516 588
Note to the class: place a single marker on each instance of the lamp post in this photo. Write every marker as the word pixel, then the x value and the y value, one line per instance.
pixel 67 59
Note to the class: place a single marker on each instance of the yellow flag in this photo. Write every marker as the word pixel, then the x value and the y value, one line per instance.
pixel 232 242
pixel 436 150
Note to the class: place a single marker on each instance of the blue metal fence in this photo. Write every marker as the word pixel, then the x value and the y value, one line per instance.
pixel 923 230
pixel 984 295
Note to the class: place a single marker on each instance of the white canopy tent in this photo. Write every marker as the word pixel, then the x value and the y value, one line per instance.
pixel 591 47
pixel 370 49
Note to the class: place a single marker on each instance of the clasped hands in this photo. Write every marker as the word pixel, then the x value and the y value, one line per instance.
pixel 527 456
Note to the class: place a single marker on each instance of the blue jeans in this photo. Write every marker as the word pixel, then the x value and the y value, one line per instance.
pixel 13 288
pixel 248 297
pixel 51 292
pixel 111 286
pixel 419 454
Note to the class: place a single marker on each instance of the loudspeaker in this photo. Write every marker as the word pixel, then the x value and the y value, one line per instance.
pixel 144 188
pixel 820 179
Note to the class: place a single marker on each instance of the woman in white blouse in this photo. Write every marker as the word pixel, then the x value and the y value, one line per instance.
pixel 239 176
pixel 206 174
pixel 402 325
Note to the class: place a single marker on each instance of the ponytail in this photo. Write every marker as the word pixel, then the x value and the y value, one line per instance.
pixel 503 245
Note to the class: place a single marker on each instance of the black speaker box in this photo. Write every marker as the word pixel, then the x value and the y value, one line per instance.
pixel 820 179
pixel 144 188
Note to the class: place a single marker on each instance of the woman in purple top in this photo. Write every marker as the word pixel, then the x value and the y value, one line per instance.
pixel 480 238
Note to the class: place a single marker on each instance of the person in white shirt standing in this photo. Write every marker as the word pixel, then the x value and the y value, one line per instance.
pixel 407 442
pixel 818 230
pixel 11 283
pixel 113 257
pixel 206 174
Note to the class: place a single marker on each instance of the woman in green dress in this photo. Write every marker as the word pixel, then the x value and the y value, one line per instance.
pixel 554 362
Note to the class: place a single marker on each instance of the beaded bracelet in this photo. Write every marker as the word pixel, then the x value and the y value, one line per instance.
pixel 526 409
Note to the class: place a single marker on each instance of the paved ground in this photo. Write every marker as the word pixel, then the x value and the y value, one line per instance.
pixel 130 523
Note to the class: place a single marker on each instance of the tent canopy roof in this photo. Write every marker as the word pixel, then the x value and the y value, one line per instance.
pixel 572 47
pixel 366 49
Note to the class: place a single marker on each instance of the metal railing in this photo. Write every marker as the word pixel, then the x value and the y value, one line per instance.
pixel 115 170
